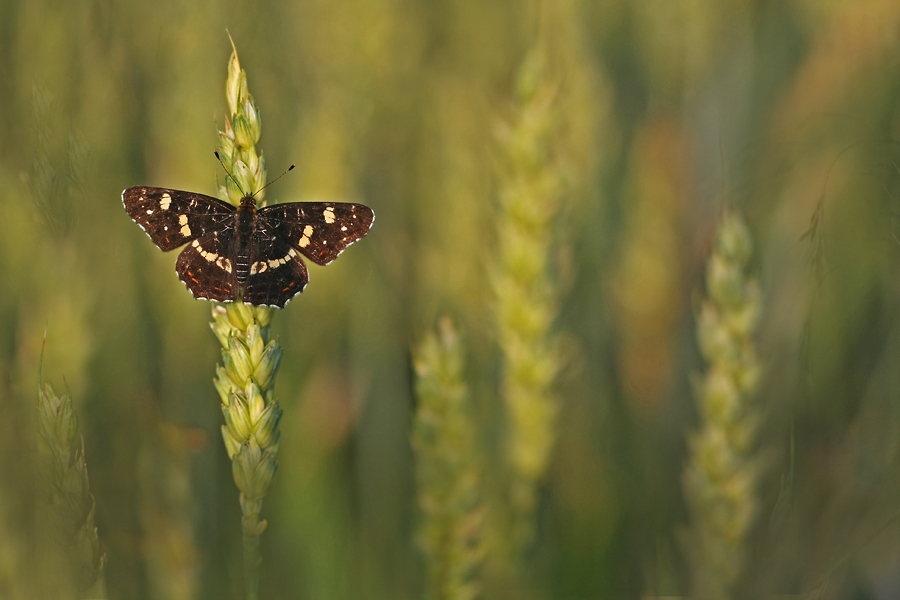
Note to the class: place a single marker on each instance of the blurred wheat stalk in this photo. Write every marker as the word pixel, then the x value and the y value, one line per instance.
pixel 448 471
pixel 166 506
pixel 250 357
pixel 57 183
pixel 68 561
pixel 721 477
pixel 66 490
pixel 524 295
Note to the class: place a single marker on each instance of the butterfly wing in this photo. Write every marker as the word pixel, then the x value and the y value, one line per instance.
pixel 172 218
pixel 318 230
pixel 206 267
pixel 277 273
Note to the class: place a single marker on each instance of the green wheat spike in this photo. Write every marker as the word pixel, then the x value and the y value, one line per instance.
pixel 250 358
pixel 721 476
pixel 448 470
pixel 66 491
pixel 524 294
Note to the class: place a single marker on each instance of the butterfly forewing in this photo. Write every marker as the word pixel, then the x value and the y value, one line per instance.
pixel 318 230
pixel 207 269
pixel 277 273
pixel 172 218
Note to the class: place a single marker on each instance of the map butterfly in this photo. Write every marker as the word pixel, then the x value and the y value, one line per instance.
pixel 245 253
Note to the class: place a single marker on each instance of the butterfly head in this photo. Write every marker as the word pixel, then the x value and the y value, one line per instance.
pixel 248 201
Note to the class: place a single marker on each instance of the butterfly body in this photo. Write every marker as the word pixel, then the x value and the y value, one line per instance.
pixel 245 252
pixel 245 226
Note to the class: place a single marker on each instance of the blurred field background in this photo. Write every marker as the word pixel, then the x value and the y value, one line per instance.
pixel 662 115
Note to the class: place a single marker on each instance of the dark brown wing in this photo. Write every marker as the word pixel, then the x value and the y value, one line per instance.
pixel 172 218
pixel 206 268
pixel 318 230
pixel 277 273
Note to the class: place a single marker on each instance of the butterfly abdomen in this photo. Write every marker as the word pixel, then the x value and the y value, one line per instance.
pixel 242 267
pixel 245 225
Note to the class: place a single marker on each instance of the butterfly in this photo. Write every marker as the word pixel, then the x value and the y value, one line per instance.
pixel 245 253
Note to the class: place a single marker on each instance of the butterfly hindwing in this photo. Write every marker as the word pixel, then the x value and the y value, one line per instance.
pixel 318 230
pixel 277 273
pixel 206 268
pixel 172 218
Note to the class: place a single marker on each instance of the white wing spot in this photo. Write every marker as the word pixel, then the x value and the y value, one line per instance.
pixel 283 260
pixel 149 212
pixel 262 266
pixel 186 231
pixel 209 256
pixel 165 228
pixel 343 228
pixel 166 201
pixel 253 268
pixel 328 213
pixel 307 233
pixel 195 244
pixel 182 219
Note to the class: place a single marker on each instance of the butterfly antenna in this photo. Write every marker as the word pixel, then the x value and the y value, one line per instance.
pixel 227 172
pixel 289 169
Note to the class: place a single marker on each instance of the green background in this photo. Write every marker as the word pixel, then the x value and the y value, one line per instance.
pixel 667 111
